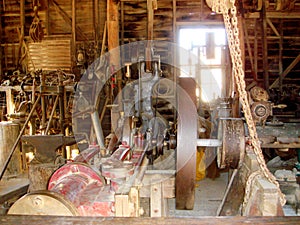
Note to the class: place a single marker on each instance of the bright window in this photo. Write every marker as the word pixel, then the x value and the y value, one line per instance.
pixel 205 59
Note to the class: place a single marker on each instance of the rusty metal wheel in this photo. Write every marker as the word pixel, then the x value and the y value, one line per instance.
pixel 231 133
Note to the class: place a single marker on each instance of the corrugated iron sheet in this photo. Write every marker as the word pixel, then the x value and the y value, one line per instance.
pixel 50 55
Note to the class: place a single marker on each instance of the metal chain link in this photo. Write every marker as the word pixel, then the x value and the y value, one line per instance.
pixel 231 26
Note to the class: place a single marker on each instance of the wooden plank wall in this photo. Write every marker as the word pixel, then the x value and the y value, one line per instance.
pixel 133 20
pixel 283 44
pixel 57 25
pixel 53 24
pixel 10 56
pixel 169 14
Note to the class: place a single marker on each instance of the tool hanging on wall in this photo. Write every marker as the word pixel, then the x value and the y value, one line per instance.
pixel 36 31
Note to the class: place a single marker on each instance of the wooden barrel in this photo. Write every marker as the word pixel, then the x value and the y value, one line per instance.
pixel 8 134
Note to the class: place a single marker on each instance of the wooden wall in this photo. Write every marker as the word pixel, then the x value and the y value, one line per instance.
pixel 52 19
pixel 281 31
pixel 166 17
pixel 55 18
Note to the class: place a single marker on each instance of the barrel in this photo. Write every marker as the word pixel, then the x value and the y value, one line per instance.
pixel 9 133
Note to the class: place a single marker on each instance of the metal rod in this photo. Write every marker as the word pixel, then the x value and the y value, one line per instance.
pixel 19 137
pixel 209 142
pixel 98 128
pixel 141 67
pixel 61 109
pixel 51 116
pixel 226 192
pixel 43 101
pixel 104 109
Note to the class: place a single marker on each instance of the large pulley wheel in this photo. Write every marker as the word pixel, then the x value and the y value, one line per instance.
pixel 231 133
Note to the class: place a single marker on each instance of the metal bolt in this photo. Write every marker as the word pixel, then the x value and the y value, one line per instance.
pixel 37 202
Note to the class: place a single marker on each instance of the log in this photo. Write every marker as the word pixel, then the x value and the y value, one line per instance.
pixel 39 175
pixel 8 134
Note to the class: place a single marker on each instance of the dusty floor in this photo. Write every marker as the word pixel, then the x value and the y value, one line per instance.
pixel 208 196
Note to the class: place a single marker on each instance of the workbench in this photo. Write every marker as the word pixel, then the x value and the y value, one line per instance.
pixel 279 135
pixel 13 188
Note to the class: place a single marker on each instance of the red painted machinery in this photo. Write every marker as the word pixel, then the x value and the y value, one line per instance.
pixel 79 189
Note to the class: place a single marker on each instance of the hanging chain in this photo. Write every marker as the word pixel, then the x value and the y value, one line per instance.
pixel 231 26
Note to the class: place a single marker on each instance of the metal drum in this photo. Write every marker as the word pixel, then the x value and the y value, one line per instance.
pixel 231 133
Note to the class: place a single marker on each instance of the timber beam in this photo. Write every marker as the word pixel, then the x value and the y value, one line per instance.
pixel 50 220
pixel 285 73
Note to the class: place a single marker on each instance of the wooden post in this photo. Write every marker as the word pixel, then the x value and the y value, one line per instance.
pixel 263 16
pixel 174 21
pixel 248 47
pixel 74 27
pixel 255 50
pixel 149 35
pixel 22 17
pixel 122 22
pixel 47 19
pixel 22 33
pixel 10 103
pixel 96 20
pixel 150 20
pixel 113 43
pixel 280 56
pixel 113 31
pixel 161 188
pixel 1 58
pixel 1 35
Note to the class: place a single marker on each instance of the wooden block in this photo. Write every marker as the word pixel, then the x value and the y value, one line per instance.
pixel 156 199
pixel 123 206
pixel 251 162
pixel 135 201
pixel 168 185
pixel 264 200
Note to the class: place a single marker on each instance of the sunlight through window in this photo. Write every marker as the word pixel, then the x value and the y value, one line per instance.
pixel 205 59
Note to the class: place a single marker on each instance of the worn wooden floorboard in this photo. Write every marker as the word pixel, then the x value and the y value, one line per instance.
pixel 51 220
